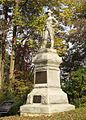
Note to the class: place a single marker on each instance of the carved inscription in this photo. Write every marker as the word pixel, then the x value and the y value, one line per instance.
pixel 41 77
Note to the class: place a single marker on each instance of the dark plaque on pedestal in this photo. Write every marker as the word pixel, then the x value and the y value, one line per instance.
pixel 41 77
pixel 37 99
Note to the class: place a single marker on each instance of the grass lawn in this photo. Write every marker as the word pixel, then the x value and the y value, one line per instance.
pixel 78 114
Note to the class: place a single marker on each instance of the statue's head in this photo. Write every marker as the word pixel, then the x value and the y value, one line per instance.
pixel 49 12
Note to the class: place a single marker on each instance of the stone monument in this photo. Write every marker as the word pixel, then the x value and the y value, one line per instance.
pixel 48 31
pixel 47 96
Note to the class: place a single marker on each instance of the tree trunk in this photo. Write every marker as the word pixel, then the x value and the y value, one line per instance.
pixel 12 58
pixel 0 72
pixel 2 60
pixel 3 26
pixel 12 65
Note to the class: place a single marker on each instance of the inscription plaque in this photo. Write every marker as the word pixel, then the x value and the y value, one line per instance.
pixel 37 99
pixel 41 77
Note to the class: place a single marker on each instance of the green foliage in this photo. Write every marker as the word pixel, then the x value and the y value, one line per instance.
pixel 83 101
pixel 60 46
pixel 17 92
pixel 66 15
pixel 76 87
pixel 17 18
pixel 20 87
pixel 39 23
pixel 17 101
pixel 2 97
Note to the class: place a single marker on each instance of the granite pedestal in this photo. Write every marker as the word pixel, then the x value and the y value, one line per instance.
pixel 47 96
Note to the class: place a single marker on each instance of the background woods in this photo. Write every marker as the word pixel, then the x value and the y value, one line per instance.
pixel 21 27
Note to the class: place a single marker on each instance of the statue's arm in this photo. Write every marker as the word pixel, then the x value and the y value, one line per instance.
pixel 56 21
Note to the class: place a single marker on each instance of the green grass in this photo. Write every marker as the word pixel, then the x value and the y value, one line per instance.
pixel 78 114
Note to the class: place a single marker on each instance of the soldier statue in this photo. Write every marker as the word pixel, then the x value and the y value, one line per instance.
pixel 48 31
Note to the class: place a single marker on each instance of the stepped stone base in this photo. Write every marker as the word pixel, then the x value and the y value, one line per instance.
pixel 50 100
pixel 47 96
pixel 39 109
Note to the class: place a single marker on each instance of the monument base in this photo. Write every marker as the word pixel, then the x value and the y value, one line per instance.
pixel 45 101
pixel 47 96
pixel 39 109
